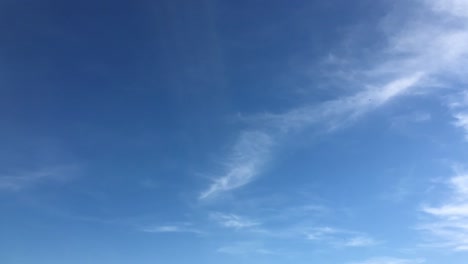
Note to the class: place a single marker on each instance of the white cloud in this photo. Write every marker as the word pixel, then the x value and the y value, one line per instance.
pixel 163 229
pixel 172 228
pixel 21 180
pixel 458 104
pixel 450 35
pixel 324 235
pixel 453 7
pixel 340 237
pixel 246 160
pixel 436 43
pixel 448 225
pixel 460 184
pixel 253 147
pixel 402 121
pixel 389 260
pixel 418 54
pixel 321 233
pixel 336 113
pixel 234 221
pixel 360 241
pixel 246 248
pixel 459 101
pixel 462 122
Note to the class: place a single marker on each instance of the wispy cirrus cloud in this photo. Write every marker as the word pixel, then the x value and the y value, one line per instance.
pixel 452 38
pixel 172 228
pixel 247 248
pixel 454 7
pixel 404 67
pixel 248 157
pixel 339 112
pixel 340 238
pixel 390 260
pixel 459 109
pixel 234 221
pixel 462 121
pixel 254 147
pixel 360 241
pixel 448 225
pixel 21 180
pixel 458 105
pixel 303 230
pixel 402 121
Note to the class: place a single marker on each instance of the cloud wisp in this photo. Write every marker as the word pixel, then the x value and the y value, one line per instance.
pixel 428 51
pixel 254 147
pixel 247 158
pixel 246 248
pixel 390 260
pixel 448 226
pixel 340 238
pixel 172 228
pixel 26 179
pixel 403 67
pixel 234 221
pixel 458 104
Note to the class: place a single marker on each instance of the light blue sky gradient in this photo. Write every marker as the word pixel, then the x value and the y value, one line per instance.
pixel 234 132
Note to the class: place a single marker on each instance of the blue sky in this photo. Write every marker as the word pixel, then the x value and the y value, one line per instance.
pixel 234 132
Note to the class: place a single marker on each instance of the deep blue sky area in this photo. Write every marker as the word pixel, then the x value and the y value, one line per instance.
pixel 241 132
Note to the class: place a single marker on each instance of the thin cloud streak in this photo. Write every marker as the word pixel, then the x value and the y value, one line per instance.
pixel 453 41
pixel 254 147
pixel 390 260
pixel 246 248
pixel 459 106
pixel 340 238
pixel 234 221
pixel 462 122
pixel 360 241
pixel 454 7
pixel 173 228
pixel 405 67
pixel 247 158
pixel 270 230
pixel 339 112
pixel 448 226
pixel 22 180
